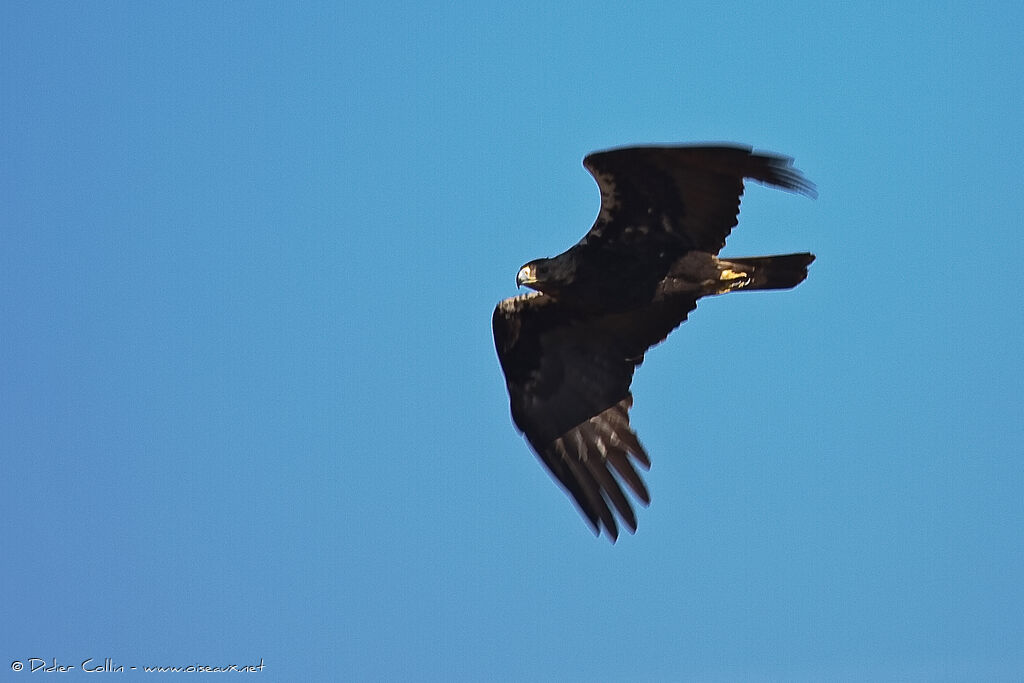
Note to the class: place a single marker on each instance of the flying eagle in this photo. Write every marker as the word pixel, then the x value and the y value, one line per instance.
pixel 568 350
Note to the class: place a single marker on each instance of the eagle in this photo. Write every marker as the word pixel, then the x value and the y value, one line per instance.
pixel 568 350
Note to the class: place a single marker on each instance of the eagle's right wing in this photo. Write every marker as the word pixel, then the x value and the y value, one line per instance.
pixel 568 375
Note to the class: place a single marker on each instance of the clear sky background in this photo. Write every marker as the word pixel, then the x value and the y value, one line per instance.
pixel 250 406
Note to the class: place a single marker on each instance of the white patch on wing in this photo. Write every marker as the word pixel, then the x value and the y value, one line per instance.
pixel 513 303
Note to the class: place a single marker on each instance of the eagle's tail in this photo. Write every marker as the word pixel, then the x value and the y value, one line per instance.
pixel 764 272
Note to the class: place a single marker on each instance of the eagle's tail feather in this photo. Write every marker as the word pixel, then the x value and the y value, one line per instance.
pixel 766 272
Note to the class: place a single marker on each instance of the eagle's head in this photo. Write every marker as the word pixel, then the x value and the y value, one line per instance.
pixel 536 274
pixel 547 275
pixel 531 274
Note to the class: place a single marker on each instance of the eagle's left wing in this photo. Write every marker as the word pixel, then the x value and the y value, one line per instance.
pixel 687 193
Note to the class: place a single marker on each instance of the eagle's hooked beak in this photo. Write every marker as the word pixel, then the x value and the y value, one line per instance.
pixel 527 275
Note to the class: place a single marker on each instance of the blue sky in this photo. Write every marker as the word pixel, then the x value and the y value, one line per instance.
pixel 250 407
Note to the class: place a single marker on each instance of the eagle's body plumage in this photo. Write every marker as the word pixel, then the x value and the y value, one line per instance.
pixel 569 349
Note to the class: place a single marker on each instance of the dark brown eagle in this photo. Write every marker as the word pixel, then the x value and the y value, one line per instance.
pixel 569 349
